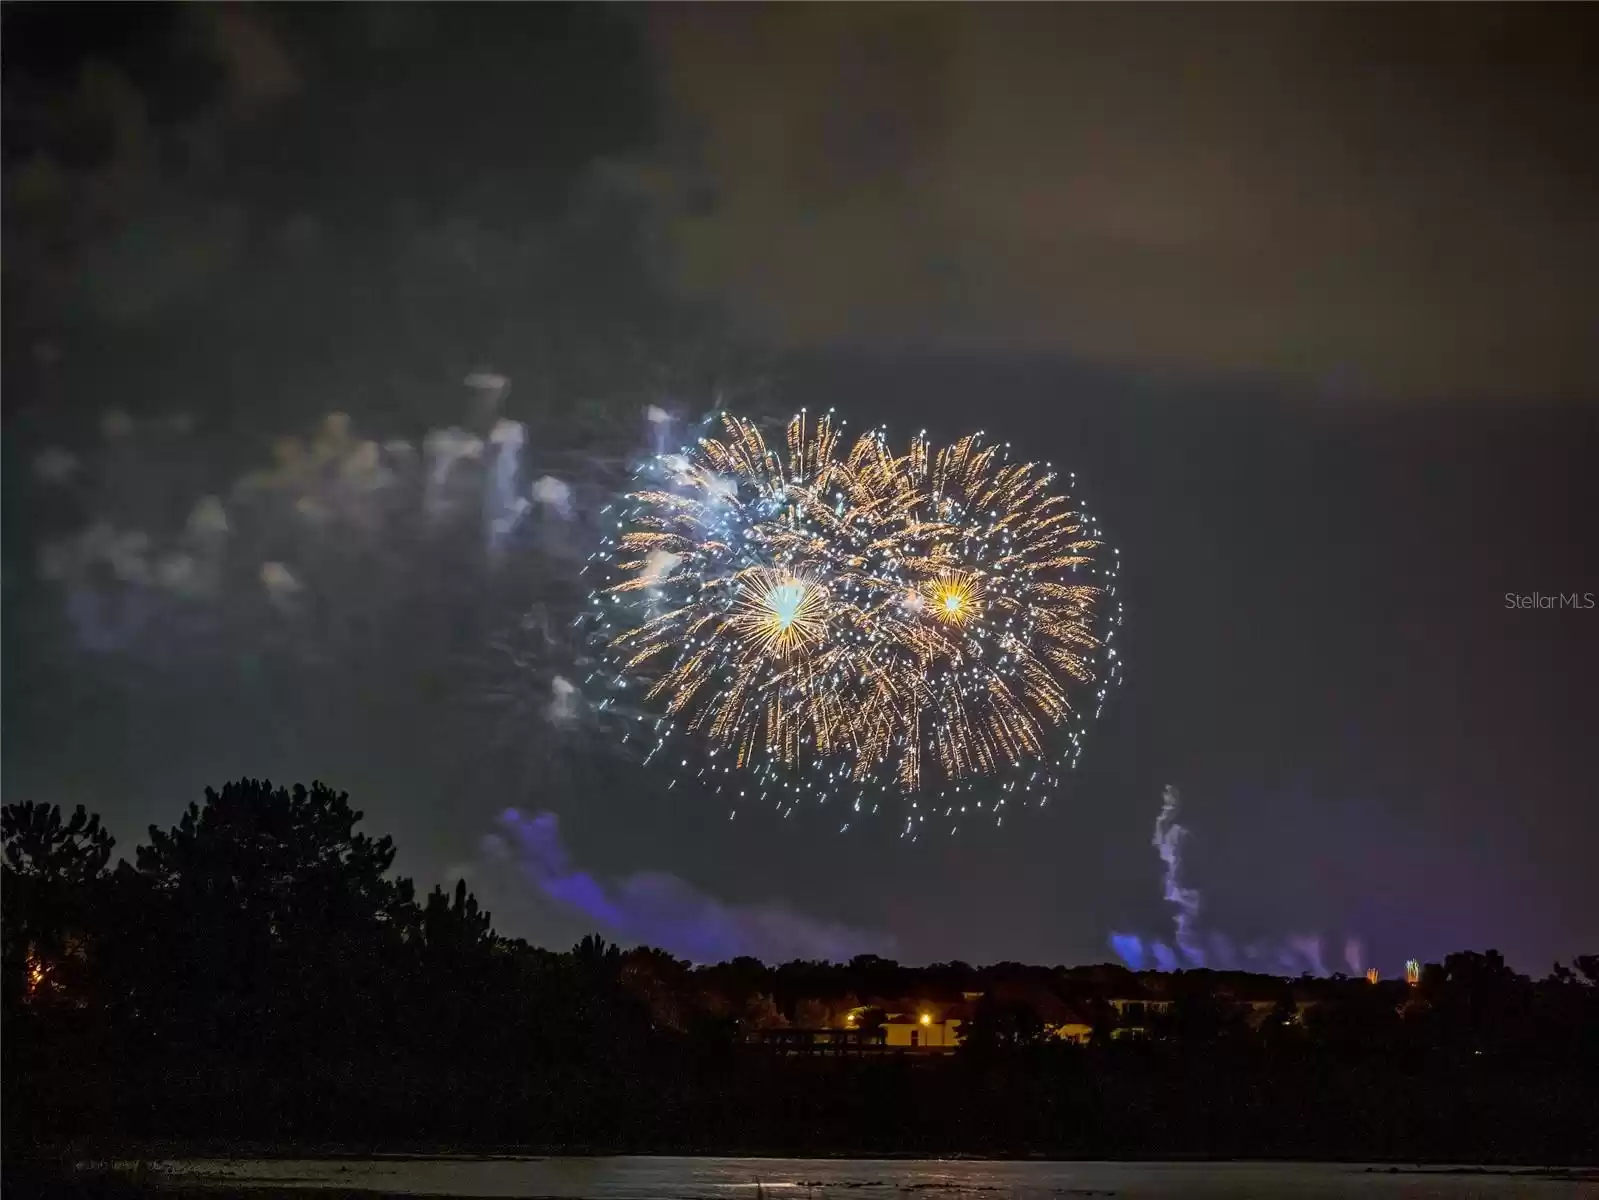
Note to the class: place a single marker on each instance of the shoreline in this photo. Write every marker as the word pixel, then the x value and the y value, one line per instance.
pixel 138 1178
pixel 128 1156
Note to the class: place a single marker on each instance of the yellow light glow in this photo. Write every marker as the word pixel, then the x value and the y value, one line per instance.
pixel 926 1019
pixel 955 597
pixel 781 613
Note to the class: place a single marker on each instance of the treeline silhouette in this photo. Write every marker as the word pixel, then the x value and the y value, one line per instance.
pixel 256 975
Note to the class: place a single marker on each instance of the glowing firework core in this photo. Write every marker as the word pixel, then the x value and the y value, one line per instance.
pixel 955 598
pixel 784 602
pixel 785 616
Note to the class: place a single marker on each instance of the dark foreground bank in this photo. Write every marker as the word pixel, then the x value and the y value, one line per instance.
pixel 260 976
pixel 1132 1101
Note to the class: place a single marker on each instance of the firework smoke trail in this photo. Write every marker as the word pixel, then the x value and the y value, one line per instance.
pixel 1168 841
pixel 383 557
pixel 1308 948
pixel 1129 948
pixel 1355 956
pixel 319 499
pixel 505 503
pixel 1293 955
pixel 661 423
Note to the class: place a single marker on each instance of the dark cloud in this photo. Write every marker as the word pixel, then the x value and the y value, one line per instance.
pixel 116 201
pixel 1398 201
pixel 259 67
pixel 205 252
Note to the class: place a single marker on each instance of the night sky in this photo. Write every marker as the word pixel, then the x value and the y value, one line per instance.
pixel 1304 295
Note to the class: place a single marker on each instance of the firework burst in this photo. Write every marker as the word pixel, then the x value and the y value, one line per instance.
pixel 846 623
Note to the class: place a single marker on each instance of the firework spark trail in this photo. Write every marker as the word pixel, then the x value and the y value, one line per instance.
pixel 842 620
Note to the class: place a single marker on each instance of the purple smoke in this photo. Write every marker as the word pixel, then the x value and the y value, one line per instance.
pixel 1129 948
pixel 657 909
pixel 1309 949
pixel 1355 956
pixel 1293 956
pixel 1222 955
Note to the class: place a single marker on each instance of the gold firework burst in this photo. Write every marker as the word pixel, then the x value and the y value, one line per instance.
pixel 862 615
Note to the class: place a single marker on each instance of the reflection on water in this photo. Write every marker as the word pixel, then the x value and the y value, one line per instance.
pixel 924 1179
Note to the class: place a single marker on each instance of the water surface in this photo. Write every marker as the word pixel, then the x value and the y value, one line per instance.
pixel 641 1178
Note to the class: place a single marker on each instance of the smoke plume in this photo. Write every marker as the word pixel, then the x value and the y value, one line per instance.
pixel 658 909
pixel 1169 843
pixel 1293 955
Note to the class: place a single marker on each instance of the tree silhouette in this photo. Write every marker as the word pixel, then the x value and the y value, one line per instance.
pixel 659 981
pixel 1280 1030
pixel 456 925
pixel 1480 1004
pixel 39 845
pixel 999 1025
pixel 264 909
pixel 812 1013
pixel 1198 1017
pixel 53 880
pixel 761 1012
pixel 286 859
pixel 1102 1022
pixel 601 960
pixel 871 1023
